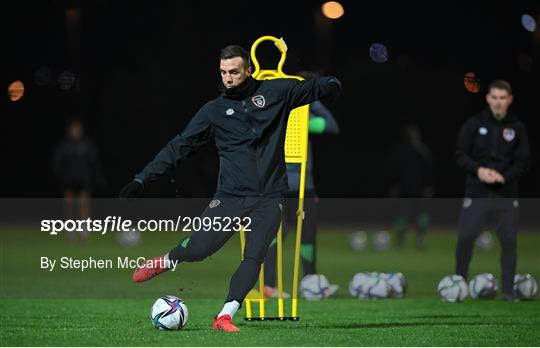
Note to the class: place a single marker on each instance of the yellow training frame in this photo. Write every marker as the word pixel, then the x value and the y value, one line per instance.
pixel 296 147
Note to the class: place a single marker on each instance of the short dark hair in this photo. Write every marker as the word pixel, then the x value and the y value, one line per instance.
pixel 500 84
pixel 233 51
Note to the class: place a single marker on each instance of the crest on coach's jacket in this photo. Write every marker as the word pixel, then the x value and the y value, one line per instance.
pixel 509 134
pixel 259 101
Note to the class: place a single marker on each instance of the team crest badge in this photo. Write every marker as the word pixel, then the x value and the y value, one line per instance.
pixel 509 134
pixel 482 130
pixel 259 101
pixel 214 203
pixel 229 112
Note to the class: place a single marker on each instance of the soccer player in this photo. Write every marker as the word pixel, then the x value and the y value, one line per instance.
pixel 410 172
pixel 77 168
pixel 321 121
pixel 247 122
pixel 493 149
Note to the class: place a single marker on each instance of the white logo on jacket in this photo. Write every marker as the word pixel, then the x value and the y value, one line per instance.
pixel 214 203
pixel 259 101
pixel 509 134
pixel 229 112
pixel 482 130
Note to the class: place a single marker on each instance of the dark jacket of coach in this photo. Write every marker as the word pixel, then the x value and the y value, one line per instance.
pixel 493 148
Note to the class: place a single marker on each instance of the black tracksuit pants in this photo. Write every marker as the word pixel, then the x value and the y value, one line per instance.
pixel 474 214
pixel 265 216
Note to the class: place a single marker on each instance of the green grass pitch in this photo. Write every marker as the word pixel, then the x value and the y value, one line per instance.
pixel 103 307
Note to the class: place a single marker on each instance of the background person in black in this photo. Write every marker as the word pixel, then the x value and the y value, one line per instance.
pixel 77 168
pixel 247 122
pixel 410 174
pixel 493 149
pixel 321 121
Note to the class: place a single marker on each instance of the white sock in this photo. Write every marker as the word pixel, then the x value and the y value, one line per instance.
pixel 229 308
pixel 166 261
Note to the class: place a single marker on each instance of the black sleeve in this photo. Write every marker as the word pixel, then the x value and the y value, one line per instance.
pixel 307 91
pixel 521 156
pixel 197 133
pixel 463 149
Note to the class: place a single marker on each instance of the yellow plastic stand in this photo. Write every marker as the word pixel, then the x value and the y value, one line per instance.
pixel 296 147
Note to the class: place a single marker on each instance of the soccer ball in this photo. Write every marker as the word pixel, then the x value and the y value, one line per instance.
pixel 381 240
pixel 484 241
pixel 452 288
pixel 316 287
pixel 397 284
pixel 369 286
pixel 129 238
pixel 358 240
pixel 525 286
pixel 483 285
pixel 169 313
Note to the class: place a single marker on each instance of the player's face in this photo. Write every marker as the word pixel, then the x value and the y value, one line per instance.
pixel 499 101
pixel 233 71
pixel 75 131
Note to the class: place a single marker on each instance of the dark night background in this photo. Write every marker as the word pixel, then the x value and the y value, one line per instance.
pixel 145 68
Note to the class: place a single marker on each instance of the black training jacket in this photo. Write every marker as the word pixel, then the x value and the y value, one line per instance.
pixel 501 145
pixel 248 129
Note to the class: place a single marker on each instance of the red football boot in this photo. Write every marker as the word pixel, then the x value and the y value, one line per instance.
pixel 224 323
pixel 150 269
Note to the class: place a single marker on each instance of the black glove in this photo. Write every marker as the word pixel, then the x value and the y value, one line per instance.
pixel 131 190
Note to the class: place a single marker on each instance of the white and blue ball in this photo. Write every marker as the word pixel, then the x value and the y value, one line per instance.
pixel 314 287
pixel 483 286
pixel 381 240
pixel 369 285
pixel 169 313
pixel 358 240
pixel 525 286
pixel 484 241
pixel 452 288
pixel 129 238
pixel 397 283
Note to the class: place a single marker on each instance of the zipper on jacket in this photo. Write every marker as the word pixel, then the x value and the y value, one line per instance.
pixel 494 145
pixel 256 148
pixel 494 153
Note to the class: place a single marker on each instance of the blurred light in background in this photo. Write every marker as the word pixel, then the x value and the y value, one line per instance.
pixel 471 82
pixel 332 9
pixel 66 79
pixel 44 75
pixel 528 22
pixel 73 31
pixel 378 53
pixel 15 90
